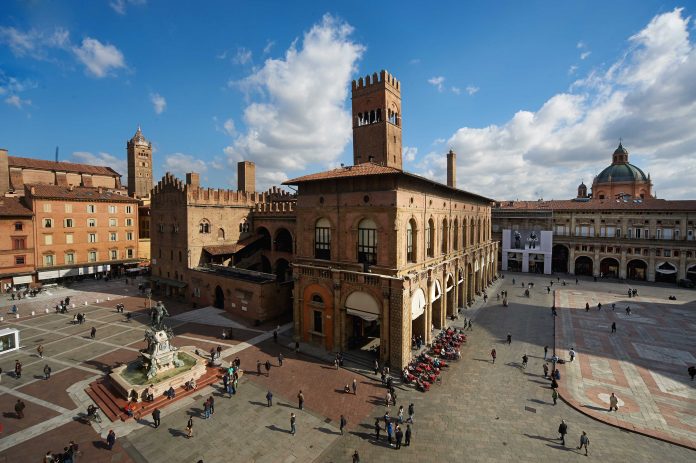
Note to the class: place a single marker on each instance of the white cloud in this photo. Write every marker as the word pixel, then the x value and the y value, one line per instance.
pixel 268 47
pixel 572 69
pixel 119 6
pixel 229 128
pixel 456 90
pixel 648 97
pixel 585 54
pixel 159 104
pixel 243 56
pixel 16 101
pixel 180 163
pixel 581 45
pixel 34 43
pixel 120 165
pixel 471 90
pixel 437 82
pixel 297 115
pixel 409 153
pixel 99 59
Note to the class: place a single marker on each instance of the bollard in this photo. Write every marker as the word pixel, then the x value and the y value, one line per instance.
pixel 33 313
pixel 73 305
pixel 108 298
pixel 85 302
pixel 2 319
pixel 16 315
pixel 47 310
pixel 97 301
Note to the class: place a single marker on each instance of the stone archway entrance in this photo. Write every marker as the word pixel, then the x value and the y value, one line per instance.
pixel 436 305
pixel 219 298
pixel 691 273
pixel 461 293
pixel 470 284
pixel 583 266
pixel 418 304
pixel 609 267
pixel 559 259
pixel 450 291
pixel 362 326
pixel 637 270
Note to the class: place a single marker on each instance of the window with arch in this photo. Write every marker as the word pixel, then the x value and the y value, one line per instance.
pixel 221 233
pixel 430 238
pixel 445 235
pixel 472 231
pixel 317 300
pixel 367 241
pixel 322 239
pixel 410 240
pixel 204 226
pixel 455 238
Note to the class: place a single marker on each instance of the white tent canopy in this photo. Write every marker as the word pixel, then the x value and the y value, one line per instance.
pixel 417 304
pixel 666 268
pixel 363 305
pixel 436 292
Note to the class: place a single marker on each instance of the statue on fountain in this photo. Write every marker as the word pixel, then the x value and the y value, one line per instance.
pixel 157 314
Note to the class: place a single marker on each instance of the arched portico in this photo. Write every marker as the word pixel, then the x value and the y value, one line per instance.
pixel 437 315
pixel 583 265
pixel 637 269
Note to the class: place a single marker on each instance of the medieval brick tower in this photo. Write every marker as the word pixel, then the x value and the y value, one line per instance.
pixel 139 152
pixel 377 120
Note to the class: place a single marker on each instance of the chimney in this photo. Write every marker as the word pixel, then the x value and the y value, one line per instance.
pixel 451 169
pixel 4 172
pixel 246 176
pixel 193 179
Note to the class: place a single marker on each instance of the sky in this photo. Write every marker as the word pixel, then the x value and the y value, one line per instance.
pixel 532 96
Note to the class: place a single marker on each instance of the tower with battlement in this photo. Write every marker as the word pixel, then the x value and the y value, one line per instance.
pixel 377 120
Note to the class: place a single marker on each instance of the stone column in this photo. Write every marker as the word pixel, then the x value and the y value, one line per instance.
pixel 682 265
pixel 623 270
pixel 571 259
pixel 339 316
pixel 596 262
pixel 297 303
pixel 387 336
pixel 651 266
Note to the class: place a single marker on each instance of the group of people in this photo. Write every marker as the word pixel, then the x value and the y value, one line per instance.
pixel 230 380
pixel 68 455
pixel 62 306
pixel 393 427
pixel 79 318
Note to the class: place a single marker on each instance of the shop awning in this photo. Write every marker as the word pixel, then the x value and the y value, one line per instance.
pixel 362 305
pixel 169 282
pixel 21 280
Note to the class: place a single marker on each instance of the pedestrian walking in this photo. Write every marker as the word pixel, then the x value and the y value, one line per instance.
pixel 587 306
pixel 93 333
pixel 293 429
pixel 342 423
pixel 211 400
pixel 584 442
pixel 613 306
pixel 300 400
pixel 19 409
pixel 355 386
pixel 111 439
pixel 546 370
pixel 562 430
pixel 525 359
pixel 571 353
pixel 356 457
pixel 470 327
pixel 206 409
pixel 378 428
pixel 275 336
pixel 18 369
pixel 613 402
pixel 599 306
pixel 554 396
pixel 691 370
pixel 268 368
pixel 493 355
pixel 390 432
pixel 399 437
pixel 407 435
pixel 297 347
pixel 40 350
pixel 613 327
pixel 387 399
pixel 546 351
pixel 509 339
pixel 376 367
pixel 156 417
pixel 189 428
pixel 280 359
pixel 47 372
pixel 411 413
pixel 269 398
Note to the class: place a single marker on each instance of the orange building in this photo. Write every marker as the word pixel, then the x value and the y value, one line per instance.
pixel 17 244
pixel 82 231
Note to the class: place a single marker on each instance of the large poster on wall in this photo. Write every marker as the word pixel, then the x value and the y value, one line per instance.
pixel 526 239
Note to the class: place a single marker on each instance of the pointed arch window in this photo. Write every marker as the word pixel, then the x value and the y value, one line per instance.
pixel 445 235
pixel 411 239
pixel 455 238
pixel 430 238
pixel 204 226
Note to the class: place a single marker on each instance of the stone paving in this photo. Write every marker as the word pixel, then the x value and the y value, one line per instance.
pixel 644 363
pixel 481 412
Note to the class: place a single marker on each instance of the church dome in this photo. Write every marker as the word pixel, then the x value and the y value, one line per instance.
pixel 622 173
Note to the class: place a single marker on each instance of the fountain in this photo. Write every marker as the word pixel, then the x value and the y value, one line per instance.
pixel 160 365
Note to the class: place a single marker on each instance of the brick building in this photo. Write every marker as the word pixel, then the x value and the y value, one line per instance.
pixel 384 254
pixel 618 230
pixel 82 231
pixel 17 244
pixel 139 157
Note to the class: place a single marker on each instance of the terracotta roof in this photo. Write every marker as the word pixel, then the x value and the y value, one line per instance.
pixel 79 193
pixel 43 164
pixel 10 207
pixel 369 168
pixel 650 204
pixel 226 249
pixel 359 170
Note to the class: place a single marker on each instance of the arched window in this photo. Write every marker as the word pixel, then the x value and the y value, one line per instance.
pixel 204 226
pixel 322 239
pixel 472 231
pixel 411 239
pixel 367 242
pixel 445 235
pixel 455 238
pixel 221 233
pixel 430 238
pixel 317 299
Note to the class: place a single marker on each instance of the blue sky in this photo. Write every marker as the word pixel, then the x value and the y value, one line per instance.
pixel 533 96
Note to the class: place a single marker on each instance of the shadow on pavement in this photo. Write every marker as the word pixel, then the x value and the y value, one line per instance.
pixel 273 427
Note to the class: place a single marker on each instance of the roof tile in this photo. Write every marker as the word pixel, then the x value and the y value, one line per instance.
pixel 44 164
pixel 76 193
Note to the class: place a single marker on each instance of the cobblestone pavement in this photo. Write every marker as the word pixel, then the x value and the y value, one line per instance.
pixel 481 412
pixel 492 413
pixel 644 363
